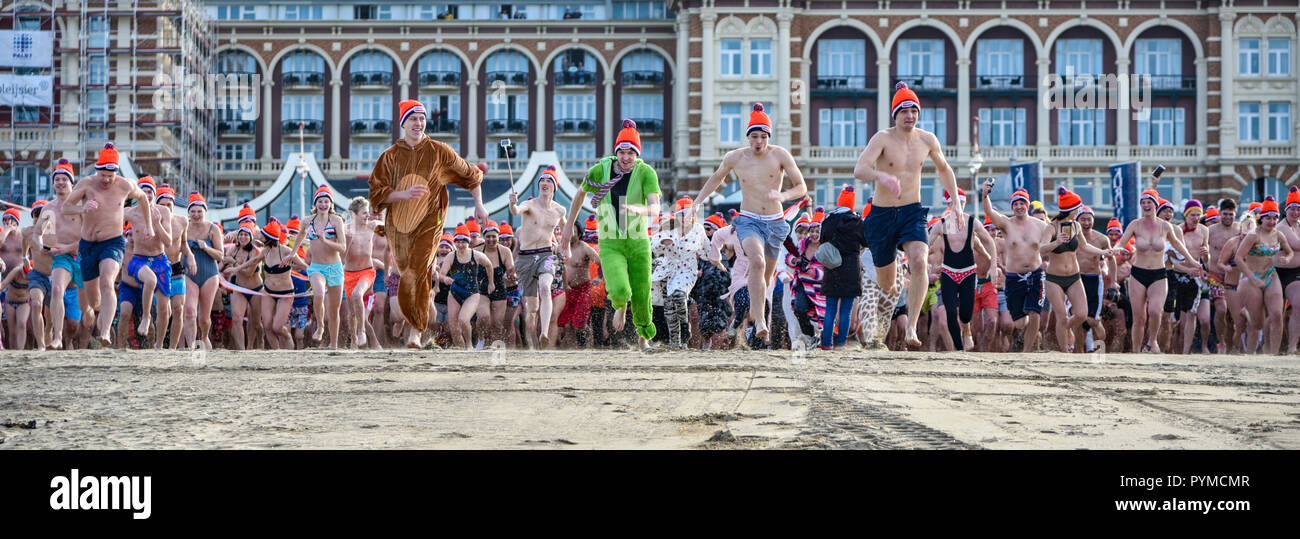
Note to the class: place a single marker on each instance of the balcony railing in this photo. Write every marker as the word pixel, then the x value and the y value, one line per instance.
pixel 372 78
pixel 309 126
pixel 23 134
pixel 643 78
pixel 574 78
pixel 443 126
pixel 845 82
pixel 439 78
pixel 1081 152
pixel 834 152
pixel 998 153
pixel 649 126
pixel 1140 152
pixel 1266 151
pixel 576 126
pixel 929 82
pixel 1000 81
pixel 303 79
pixel 236 127
pixel 507 126
pixel 348 167
pixel 1168 82
pixel 513 78
pixel 372 127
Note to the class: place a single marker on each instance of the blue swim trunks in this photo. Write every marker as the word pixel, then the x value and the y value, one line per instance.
pixel 888 228
pixel 71 304
pixel 69 263
pixel 161 268
pixel 89 253
pixel 129 294
pixel 178 278
pixel 379 287
pixel 771 229
pixel 333 272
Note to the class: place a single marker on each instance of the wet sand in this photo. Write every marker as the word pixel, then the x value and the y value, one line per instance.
pixel 628 400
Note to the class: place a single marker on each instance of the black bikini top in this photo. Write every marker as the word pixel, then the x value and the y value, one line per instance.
pixel 1068 246
pixel 276 270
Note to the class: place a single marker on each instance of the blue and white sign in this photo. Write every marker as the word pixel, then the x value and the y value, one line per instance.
pixel 26 48
pixel 26 90
pixel 1124 190
pixel 1027 176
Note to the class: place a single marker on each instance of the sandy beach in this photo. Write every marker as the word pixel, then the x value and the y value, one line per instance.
pixel 324 399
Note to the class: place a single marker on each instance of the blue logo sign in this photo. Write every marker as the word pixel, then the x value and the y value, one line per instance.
pixel 22 45
pixel 1124 190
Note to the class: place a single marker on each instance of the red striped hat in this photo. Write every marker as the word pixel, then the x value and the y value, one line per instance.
pixel 146 181
pixel 848 197
pixel 1114 225
pixel 492 227
pixel 246 213
pixel 759 120
pixel 38 205
pixel 718 221
pixel 462 233
pixel 904 97
pixel 1269 207
pixel 1088 211
pixel 1067 201
pixel 166 191
pixel 1020 194
pixel 197 199
pixel 107 158
pixel 628 138
pixel 507 231
pixel 550 172
pixel 64 167
pixel 1151 194
pixel 407 108
pixel 322 191
pixel 1293 197
pixel 1164 204
pixel 1211 215
pixel 13 212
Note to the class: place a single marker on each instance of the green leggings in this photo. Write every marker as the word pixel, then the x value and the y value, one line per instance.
pixel 626 266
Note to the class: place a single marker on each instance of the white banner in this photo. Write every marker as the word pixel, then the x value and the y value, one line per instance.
pixel 26 48
pixel 26 90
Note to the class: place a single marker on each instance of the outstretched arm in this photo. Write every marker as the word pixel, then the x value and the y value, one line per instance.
pixel 716 179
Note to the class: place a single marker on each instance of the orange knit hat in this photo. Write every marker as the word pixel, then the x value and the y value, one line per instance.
pixel 1067 201
pixel 406 108
pixel 197 199
pixel 107 158
pixel 904 97
pixel 64 167
pixel 1114 225
pixel 1269 207
pixel 1293 197
pixel 462 233
pixel 759 120
pixel 246 214
pixel 683 203
pixel 628 138
pixel 716 220
pixel 848 198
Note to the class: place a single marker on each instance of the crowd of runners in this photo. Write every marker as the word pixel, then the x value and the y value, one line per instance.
pixel 114 263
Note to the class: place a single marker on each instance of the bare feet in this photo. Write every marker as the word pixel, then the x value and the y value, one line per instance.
pixel 319 333
pixel 143 328
pixel 360 339
pixel 105 341
pixel 911 339
pixel 56 344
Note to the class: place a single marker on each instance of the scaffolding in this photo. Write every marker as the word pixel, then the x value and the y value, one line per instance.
pixel 112 59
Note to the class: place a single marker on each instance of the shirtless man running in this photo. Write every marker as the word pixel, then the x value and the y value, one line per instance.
pixel 102 245
pixel 1023 263
pixel 761 225
pixel 149 264
pixel 893 160
pixel 1225 229
pixel 66 270
pixel 536 262
pixel 182 261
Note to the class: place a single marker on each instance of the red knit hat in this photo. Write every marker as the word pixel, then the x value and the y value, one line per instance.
pixel 1020 194
pixel 803 221
pixel 1151 194
pixel 294 225
pixel 146 181
pixel 64 167
pixel 406 108
pixel 1086 210
pixel 462 233
pixel 961 195
pixel 1067 201
pixel 1114 225
pixel 590 223
pixel 759 120
pixel 550 172
pixel 248 226
pixel 988 223
pixel 13 212
pixel 445 239
pixel 322 191
pixel 246 214
pixel 1164 204
pixel 39 204
pixel 166 191
pixel 848 198
pixel 628 138
pixel 471 225
pixel 683 203
pixel 818 215
pixel 1211 215
pixel 197 199
pixel 507 231
pixel 492 227
pixel 1255 207
pixel 272 230
pixel 1269 207
pixel 1293 197
pixel 866 208
pixel 716 220
pixel 903 97
pixel 107 158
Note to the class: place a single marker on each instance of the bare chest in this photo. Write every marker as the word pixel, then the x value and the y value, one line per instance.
pixel 900 155
pixel 757 172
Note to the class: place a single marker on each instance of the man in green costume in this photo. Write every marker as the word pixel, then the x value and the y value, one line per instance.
pixel 625 194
